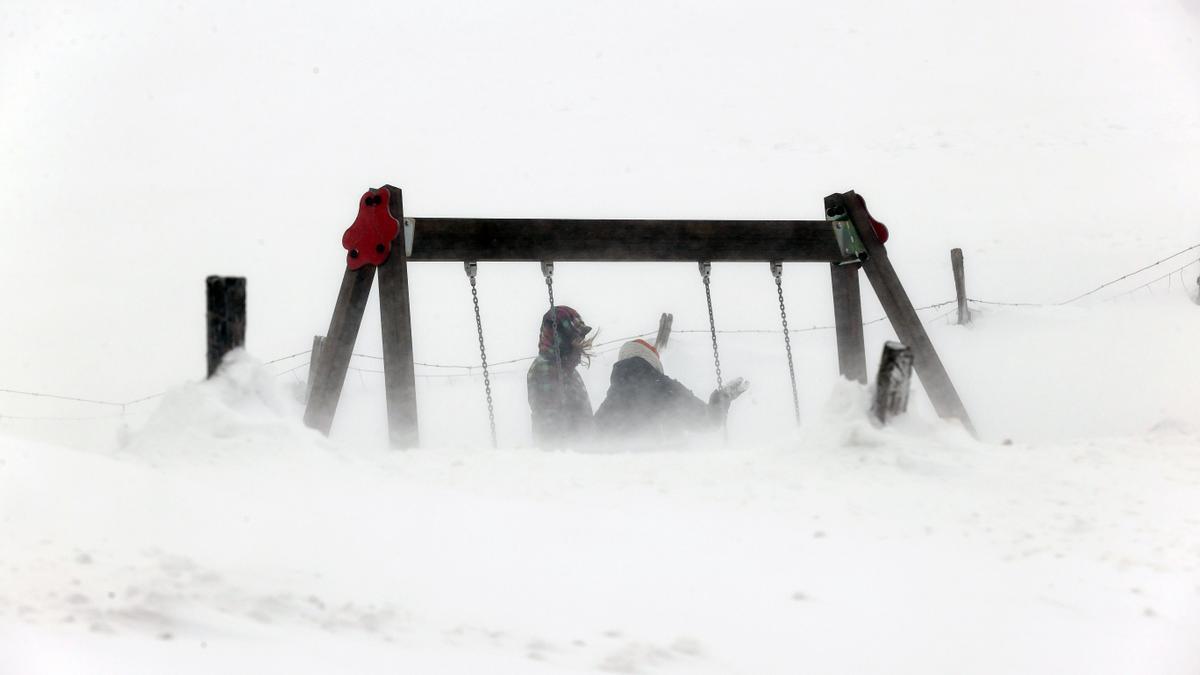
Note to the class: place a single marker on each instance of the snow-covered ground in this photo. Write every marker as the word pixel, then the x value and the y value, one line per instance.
pixel 225 537
pixel 207 531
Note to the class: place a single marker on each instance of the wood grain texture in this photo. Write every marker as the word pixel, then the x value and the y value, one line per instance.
pixel 893 382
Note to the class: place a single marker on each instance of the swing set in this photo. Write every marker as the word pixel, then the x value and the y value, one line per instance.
pixel 848 239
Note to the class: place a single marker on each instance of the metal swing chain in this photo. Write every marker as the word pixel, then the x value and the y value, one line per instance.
pixel 777 272
pixel 472 268
pixel 548 273
pixel 705 269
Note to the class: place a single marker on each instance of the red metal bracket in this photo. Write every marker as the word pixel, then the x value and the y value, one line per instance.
pixel 881 230
pixel 369 238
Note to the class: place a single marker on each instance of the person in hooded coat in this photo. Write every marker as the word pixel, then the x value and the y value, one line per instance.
pixel 642 401
pixel 558 400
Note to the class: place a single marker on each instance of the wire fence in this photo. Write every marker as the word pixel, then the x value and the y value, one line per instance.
pixel 608 346
pixel 1111 282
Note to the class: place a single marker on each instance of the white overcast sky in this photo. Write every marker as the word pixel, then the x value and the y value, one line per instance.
pixel 144 145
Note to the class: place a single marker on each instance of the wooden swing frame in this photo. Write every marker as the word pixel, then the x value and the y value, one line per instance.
pixel 845 240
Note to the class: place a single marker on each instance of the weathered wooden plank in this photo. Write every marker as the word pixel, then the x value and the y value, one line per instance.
pixel 960 286
pixel 518 239
pixel 664 331
pixel 226 317
pixel 893 382
pixel 848 321
pixel 314 356
pixel 900 311
pixel 334 360
pixel 399 373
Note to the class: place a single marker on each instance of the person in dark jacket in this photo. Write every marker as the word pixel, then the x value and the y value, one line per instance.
pixel 642 400
pixel 558 400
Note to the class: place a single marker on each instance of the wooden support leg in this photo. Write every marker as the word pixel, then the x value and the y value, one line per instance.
pixel 847 313
pixel 339 343
pixel 901 313
pixel 399 373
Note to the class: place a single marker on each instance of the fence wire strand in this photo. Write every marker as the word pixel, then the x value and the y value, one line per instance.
pixel 614 344
pixel 1167 276
pixel 1104 285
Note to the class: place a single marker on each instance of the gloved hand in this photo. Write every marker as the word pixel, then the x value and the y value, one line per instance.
pixel 724 396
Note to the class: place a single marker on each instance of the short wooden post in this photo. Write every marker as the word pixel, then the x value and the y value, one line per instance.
pixel 960 286
pixel 664 330
pixel 847 314
pixel 892 383
pixel 226 318
pixel 318 344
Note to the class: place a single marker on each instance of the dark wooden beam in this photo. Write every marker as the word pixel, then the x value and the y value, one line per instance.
pixel 847 314
pixel 900 311
pixel 517 239
pixel 334 359
pixel 399 374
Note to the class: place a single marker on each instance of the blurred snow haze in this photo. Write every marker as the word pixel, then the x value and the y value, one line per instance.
pixel 192 526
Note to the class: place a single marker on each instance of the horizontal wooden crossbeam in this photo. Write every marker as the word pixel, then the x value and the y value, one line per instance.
pixel 521 239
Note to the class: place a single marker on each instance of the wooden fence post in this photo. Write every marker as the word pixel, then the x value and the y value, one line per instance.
pixel 664 330
pixel 318 344
pixel 893 382
pixel 960 286
pixel 226 317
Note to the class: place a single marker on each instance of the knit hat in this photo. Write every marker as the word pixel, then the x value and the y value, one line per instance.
pixel 570 328
pixel 642 350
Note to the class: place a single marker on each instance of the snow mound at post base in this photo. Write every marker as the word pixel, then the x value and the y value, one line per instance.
pixel 911 442
pixel 242 408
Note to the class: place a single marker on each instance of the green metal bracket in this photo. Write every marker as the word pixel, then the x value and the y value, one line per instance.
pixel 847 239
